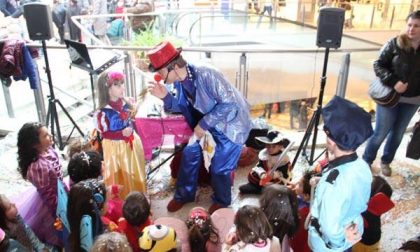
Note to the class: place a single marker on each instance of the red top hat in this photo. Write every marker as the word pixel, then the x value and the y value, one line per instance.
pixel 161 55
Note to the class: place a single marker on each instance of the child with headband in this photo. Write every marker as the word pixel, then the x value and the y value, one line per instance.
pixel 85 203
pixel 122 148
pixel 202 233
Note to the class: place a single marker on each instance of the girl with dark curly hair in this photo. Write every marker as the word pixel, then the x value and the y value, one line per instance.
pixel 85 165
pixel 39 164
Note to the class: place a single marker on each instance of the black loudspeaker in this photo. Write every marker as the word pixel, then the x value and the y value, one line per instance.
pixel 330 27
pixel 39 21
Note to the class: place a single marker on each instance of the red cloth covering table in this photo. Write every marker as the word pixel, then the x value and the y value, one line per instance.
pixel 152 129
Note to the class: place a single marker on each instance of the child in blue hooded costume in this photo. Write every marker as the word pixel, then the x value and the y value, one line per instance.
pixel 343 191
pixel 210 104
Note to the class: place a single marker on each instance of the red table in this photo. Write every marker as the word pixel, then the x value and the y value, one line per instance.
pixel 152 130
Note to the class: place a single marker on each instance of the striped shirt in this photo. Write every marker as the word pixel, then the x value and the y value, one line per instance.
pixel 43 174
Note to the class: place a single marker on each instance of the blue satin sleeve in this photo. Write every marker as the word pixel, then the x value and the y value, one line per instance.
pixel 225 103
pixel 222 105
pixel 170 104
pixel 115 122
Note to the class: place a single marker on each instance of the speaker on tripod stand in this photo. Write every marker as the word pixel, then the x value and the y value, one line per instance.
pixel 39 23
pixel 329 34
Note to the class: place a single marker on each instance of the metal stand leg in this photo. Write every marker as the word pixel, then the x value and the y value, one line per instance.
pixel 313 124
pixel 52 115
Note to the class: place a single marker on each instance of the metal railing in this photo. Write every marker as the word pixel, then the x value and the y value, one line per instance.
pixel 137 79
pixel 224 57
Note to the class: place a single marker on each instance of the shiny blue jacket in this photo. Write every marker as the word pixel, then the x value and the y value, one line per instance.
pixel 220 104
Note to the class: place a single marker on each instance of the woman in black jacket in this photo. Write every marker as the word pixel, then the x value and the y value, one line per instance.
pixel 398 67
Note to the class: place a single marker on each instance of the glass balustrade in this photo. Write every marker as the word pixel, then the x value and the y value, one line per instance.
pixel 269 61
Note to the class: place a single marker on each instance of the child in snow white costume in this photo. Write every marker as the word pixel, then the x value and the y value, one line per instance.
pixel 122 148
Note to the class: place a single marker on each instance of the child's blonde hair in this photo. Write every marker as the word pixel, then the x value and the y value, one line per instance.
pixel 77 145
pixel 111 242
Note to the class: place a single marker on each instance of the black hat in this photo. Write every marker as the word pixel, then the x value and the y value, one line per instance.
pixel 347 124
pixel 273 137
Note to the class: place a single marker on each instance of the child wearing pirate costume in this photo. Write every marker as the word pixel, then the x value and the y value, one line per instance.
pixel 212 107
pixel 269 158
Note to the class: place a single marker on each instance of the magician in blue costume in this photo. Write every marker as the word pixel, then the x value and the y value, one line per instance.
pixel 343 191
pixel 211 104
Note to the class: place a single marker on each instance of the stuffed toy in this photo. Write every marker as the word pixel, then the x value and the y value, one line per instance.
pixel 158 238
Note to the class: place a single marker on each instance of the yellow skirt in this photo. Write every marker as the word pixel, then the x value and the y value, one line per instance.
pixel 124 166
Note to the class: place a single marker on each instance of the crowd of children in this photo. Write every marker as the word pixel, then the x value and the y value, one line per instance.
pixel 107 208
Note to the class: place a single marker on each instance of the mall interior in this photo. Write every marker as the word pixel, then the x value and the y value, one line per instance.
pixel 271 55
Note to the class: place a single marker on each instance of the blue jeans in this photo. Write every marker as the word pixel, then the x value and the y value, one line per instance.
pixel 390 123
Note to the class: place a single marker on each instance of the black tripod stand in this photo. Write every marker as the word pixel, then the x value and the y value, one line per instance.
pixel 314 122
pixel 52 108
